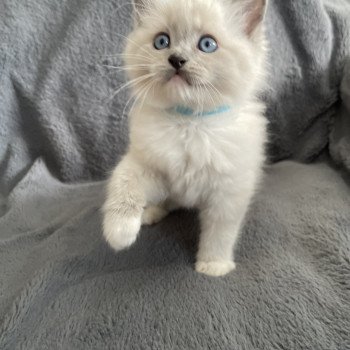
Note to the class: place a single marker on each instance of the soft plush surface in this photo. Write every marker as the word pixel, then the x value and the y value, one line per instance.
pixel 61 287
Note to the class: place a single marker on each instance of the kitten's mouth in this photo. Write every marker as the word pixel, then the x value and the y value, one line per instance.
pixel 179 77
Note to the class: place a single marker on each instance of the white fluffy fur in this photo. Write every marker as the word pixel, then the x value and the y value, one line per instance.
pixel 211 163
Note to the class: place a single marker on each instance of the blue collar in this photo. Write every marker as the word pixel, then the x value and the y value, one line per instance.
pixel 189 112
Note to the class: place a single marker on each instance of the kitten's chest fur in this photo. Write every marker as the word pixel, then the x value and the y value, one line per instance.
pixel 196 156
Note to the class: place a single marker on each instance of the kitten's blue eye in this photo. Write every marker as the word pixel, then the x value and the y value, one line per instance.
pixel 207 44
pixel 162 41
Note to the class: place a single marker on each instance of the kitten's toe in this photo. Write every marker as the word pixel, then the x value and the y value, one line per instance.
pixel 152 215
pixel 120 232
pixel 215 268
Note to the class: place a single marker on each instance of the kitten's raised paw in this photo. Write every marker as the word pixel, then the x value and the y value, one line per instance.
pixel 215 268
pixel 152 215
pixel 120 232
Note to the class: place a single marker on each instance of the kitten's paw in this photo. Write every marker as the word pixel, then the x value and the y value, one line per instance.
pixel 120 232
pixel 215 268
pixel 152 215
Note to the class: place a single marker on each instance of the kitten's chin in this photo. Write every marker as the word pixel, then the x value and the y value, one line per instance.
pixel 178 81
pixel 176 90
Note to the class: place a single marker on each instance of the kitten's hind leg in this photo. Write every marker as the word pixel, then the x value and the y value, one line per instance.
pixel 130 187
pixel 155 213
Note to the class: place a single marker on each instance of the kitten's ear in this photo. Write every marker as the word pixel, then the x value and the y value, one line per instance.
pixel 255 12
pixel 139 8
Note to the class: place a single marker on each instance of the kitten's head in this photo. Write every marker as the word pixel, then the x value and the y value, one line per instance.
pixel 196 53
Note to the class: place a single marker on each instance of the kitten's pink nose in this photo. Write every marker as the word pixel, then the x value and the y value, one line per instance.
pixel 176 61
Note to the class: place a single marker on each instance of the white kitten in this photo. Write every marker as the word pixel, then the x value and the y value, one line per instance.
pixel 197 131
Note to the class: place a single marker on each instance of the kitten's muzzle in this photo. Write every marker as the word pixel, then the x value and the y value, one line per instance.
pixel 176 61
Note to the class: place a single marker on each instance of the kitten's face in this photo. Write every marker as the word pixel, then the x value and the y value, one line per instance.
pixel 195 53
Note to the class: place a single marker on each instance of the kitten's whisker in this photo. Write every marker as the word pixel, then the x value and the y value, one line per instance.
pixel 200 102
pixel 126 105
pixel 140 95
pixel 133 65
pixel 131 83
pixel 145 94
pixel 136 98
pixel 128 102
pixel 210 90
pixel 138 46
pixel 125 68
pixel 153 85
pixel 199 94
pixel 121 55
pixel 210 95
pixel 202 94
pixel 207 84
pixel 219 97
pixel 200 97
pixel 130 99
pixel 218 94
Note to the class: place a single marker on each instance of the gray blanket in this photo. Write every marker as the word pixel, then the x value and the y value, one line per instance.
pixel 61 287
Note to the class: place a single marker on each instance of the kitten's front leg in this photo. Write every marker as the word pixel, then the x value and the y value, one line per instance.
pixel 221 221
pixel 129 189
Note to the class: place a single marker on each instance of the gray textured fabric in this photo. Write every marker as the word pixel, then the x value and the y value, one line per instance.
pixel 61 287
pixel 339 145
pixel 65 289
